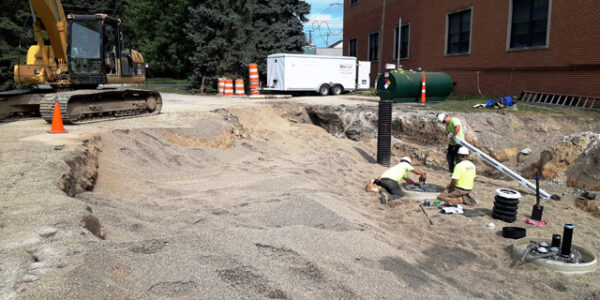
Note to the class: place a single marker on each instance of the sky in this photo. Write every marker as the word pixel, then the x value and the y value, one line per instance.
pixel 325 21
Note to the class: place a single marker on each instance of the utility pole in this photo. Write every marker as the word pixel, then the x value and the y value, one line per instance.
pixel 399 40
pixel 380 50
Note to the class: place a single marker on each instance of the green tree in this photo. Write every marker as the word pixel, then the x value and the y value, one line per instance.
pixel 15 30
pixel 277 28
pixel 159 30
pixel 220 33
pixel 113 8
pixel 229 34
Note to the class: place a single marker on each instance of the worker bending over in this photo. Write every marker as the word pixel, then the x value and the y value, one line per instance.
pixel 453 129
pixel 461 184
pixel 389 180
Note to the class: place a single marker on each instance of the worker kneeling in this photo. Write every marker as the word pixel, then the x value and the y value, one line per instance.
pixel 389 180
pixel 461 184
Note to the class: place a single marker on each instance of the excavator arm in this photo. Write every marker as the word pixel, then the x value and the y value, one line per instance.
pixel 45 63
pixel 52 15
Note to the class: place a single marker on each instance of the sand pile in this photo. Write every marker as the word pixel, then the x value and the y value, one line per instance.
pixel 584 171
pixel 561 157
pixel 193 210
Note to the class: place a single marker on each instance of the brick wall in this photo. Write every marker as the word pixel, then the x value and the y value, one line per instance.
pixel 570 63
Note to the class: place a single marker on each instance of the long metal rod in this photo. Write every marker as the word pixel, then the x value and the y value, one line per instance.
pixel 428 218
pixel 380 50
pixel 399 41
pixel 510 173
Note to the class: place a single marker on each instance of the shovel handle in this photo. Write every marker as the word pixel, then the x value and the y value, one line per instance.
pixel 426 215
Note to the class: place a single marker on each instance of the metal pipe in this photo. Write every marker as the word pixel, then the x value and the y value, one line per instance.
pixel 565 249
pixel 537 189
pixel 399 41
pixel 380 50
pixel 384 133
pixel 556 240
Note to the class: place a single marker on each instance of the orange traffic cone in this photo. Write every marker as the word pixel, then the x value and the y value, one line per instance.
pixel 423 89
pixel 57 123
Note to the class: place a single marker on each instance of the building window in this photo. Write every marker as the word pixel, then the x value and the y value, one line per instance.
pixel 459 32
pixel 373 46
pixel 352 47
pixel 352 2
pixel 529 24
pixel 404 38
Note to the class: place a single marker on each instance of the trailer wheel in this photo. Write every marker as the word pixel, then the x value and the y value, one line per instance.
pixel 337 89
pixel 324 90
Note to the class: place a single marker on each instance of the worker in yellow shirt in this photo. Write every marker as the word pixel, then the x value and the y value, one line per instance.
pixel 390 179
pixel 453 129
pixel 461 184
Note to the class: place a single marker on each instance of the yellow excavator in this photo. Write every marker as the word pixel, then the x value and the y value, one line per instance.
pixel 84 52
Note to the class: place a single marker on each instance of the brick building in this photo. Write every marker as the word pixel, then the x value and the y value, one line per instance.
pixel 499 47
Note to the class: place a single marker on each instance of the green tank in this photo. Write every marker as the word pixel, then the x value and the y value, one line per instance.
pixel 405 86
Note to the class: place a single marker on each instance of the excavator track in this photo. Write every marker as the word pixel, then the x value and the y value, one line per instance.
pixel 88 106
pixel 18 104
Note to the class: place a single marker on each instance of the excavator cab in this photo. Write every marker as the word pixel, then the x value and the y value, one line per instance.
pixel 95 51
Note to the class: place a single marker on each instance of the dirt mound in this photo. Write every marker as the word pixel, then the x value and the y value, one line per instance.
pixel 187 138
pixel 561 157
pixel 584 172
pixel 504 154
pixel 282 214
pixel 220 134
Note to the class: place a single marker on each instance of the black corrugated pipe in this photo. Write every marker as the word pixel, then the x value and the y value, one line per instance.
pixel 567 238
pixel 384 133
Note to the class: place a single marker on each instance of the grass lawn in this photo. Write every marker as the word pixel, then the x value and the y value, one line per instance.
pixel 159 80
pixel 464 103
pixel 171 90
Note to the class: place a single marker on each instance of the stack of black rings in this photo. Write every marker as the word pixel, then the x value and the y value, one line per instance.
pixel 506 204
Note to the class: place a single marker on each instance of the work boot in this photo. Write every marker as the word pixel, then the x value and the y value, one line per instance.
pixel 384 197
pixel 468 200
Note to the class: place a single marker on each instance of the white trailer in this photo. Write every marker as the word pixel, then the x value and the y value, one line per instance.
pixel 322 74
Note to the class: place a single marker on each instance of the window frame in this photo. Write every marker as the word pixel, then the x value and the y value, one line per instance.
pixel 369 47
pixel 395 54
pixel 509 29
pixel 355 39
pixel 446 33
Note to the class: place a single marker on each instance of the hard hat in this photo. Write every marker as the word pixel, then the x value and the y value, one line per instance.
pixel 406 159
pixel 463 151
pixel 441 117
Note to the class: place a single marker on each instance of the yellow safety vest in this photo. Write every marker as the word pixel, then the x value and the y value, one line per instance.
pixel 451 127
pixel 398 172
pixel 465 173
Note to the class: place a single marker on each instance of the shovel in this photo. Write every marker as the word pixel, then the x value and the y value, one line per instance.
pixel 430 222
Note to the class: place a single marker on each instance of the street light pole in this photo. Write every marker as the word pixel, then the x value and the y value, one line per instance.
pixel 399 40
pixel 380 50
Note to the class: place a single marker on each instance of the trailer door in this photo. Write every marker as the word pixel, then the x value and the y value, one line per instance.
pixel 364 75
pixel 275 73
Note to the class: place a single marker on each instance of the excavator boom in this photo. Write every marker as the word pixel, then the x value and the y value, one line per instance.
pixel 52 15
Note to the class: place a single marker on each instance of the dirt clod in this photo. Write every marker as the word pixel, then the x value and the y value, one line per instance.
pixel 92 224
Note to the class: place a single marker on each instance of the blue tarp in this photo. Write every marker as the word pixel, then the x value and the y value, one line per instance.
pixel 507 101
